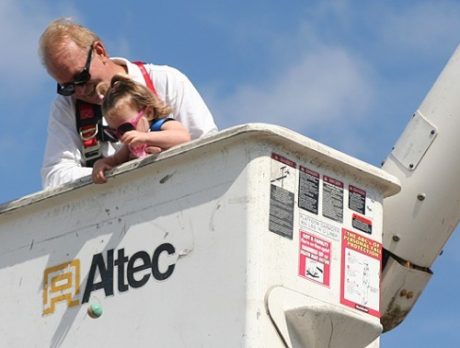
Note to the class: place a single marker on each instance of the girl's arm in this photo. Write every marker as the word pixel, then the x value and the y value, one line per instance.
pixel 172 133
pixel 107 163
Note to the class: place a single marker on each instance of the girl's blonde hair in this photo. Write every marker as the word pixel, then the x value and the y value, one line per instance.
pixel 138 96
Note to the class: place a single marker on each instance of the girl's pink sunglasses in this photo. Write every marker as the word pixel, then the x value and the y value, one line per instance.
pixel 128 126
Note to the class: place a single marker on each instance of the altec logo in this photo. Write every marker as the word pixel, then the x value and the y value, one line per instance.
pixel 62 282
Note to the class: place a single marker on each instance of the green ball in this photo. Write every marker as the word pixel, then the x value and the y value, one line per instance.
pixel 94 310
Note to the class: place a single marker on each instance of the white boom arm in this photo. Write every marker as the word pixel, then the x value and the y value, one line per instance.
pixel 420 219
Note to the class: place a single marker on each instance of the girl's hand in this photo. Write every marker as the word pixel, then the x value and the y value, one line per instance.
pixel 134 138
pixel 99 167
pixel 153 149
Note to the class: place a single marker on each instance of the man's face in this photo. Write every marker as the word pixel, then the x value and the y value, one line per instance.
pixel 67 65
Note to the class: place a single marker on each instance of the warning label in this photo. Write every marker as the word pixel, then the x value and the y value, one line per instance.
pixel 357 199
pixel 281 211
pixel 320 227
pixel 361 223
pixel 332 198
pixel 308 189
pixel 360 273
pixel 283 172
pixel 282 198
pixel 314 258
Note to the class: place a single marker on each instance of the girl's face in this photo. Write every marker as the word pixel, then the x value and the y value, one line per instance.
pixel 125 118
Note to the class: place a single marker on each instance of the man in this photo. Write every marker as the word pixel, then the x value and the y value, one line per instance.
pixel 78 60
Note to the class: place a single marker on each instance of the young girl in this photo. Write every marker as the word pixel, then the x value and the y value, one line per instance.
pixel 138 118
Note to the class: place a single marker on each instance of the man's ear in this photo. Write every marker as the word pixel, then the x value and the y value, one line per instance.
pixel 100 49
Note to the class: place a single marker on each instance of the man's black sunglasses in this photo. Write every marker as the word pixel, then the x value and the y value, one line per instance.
pixel 80 79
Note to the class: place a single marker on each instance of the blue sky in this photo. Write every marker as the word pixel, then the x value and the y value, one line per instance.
pixel 346 73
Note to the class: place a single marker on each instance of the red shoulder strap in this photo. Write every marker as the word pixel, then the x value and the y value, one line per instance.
pixel 148 80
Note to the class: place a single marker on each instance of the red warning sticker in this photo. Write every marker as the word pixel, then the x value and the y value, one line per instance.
pixel 314 258
pixel 284 160
pixel 361 223
pixel 360 273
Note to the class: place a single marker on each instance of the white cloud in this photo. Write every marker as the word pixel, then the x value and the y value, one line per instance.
pixel 422 26
pixel 118 47
pixel 21 25
pixel 327 87
pixel 20 32
pixel 333 82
